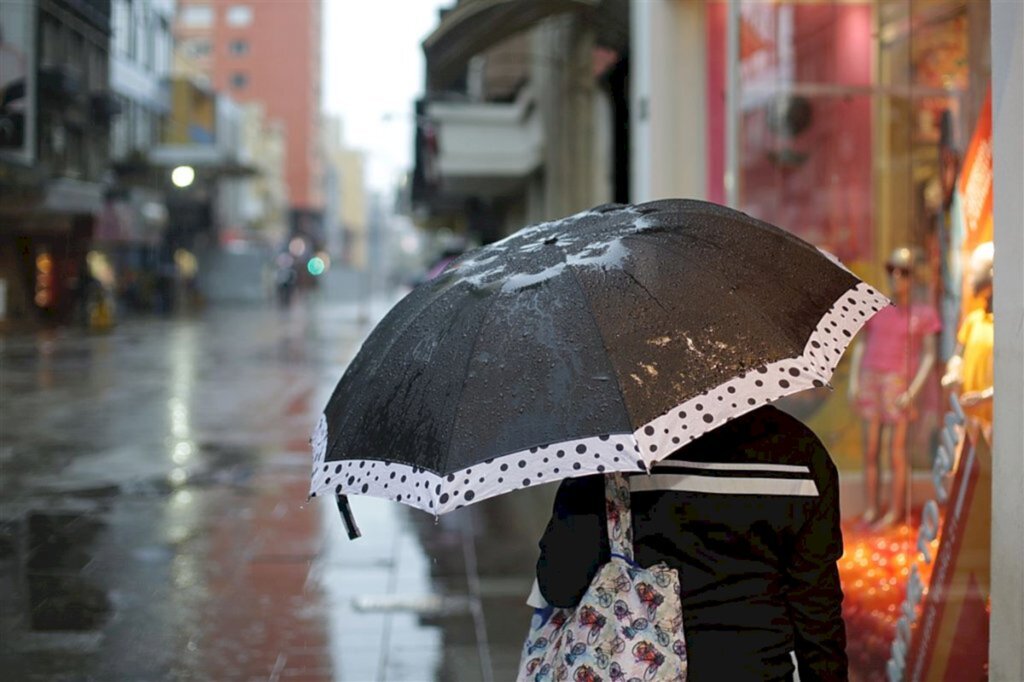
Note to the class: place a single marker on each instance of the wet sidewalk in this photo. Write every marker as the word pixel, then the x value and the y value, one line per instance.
pixel 154 522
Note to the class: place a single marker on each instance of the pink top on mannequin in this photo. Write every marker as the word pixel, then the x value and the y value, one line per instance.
pixel 894 338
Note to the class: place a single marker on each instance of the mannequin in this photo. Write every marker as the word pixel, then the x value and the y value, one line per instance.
pixel 970 367
pixel 888 370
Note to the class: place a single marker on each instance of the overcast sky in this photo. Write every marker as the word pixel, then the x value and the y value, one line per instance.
pixel 373 70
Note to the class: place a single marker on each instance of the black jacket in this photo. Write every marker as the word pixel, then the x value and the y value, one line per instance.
pixel 749 516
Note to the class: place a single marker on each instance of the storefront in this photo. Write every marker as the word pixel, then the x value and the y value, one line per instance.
pixel 867 128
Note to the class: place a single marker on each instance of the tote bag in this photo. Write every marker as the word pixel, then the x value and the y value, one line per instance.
pixel 628 626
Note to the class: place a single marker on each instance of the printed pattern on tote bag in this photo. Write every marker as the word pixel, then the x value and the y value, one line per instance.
pixel 628 627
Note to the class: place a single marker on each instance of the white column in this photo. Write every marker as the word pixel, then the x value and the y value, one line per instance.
pixel 641 55
pixel 732 105
pixel 668 99
pixel 1006 647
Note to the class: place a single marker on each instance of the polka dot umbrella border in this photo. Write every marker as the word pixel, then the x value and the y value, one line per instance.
pixel 625 452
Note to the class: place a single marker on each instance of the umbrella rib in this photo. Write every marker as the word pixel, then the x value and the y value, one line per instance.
pixel 465 379
pixel 597 328
pixel 761 312
pixel 382 356
pixel 646 290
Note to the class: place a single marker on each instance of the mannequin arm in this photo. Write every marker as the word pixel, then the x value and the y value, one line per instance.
pixel 952 375
pixel 927 361
pixel 855 360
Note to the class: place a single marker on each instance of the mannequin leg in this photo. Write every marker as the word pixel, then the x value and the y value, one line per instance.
pixel 872 437
pixel 898 485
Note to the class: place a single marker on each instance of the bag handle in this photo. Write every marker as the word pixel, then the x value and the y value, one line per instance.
pixel 618 515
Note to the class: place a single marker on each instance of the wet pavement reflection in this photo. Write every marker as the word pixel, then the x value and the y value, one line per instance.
pixel 154 522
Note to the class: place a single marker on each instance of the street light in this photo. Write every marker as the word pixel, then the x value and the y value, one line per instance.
pixel 316 266
pixel 183 176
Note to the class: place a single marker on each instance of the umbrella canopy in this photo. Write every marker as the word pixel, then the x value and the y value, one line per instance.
pixel 599 342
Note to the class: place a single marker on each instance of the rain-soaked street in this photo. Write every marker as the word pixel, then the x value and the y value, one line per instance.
pixel 155 525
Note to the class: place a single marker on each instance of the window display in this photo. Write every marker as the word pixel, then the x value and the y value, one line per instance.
pixel 864 127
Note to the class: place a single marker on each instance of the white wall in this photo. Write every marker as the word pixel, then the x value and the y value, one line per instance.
pixel 668 116
pixel 603 176
pixel 1006 649
pixel 481 139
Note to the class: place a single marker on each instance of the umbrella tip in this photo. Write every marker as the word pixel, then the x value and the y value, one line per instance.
pixel 347 518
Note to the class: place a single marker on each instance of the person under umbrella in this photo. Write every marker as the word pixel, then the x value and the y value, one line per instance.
pixel 602 343
pixel 748 515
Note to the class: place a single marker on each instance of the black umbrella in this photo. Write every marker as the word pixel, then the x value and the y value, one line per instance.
pixel 599 342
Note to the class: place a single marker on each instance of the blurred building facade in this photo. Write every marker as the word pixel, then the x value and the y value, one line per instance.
pixel 525 114
pixel 346 205
pixel 205 132
pixel 266 53
pixel 265 208
pixel 130 228
pixel 55 115
pixel 232 212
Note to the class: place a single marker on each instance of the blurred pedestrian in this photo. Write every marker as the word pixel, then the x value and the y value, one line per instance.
pixel 749 516
pixel 285 279
pixel 887 372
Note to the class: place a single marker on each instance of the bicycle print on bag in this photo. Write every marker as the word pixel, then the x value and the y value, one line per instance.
pixel 628 627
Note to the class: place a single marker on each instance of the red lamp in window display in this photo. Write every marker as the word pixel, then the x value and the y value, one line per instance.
pixel 888 371
pixel 970 367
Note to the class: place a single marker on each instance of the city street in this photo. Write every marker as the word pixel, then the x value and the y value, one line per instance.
pixel 621 215
pixel 155 525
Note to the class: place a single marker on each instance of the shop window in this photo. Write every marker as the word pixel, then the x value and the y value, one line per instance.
pixel 97 69
pixel 143 40
pixel 196 16
pixel 855 124
pixel 131 34
pixel 162 62
pixel 197 48
pixel 53 41
pixel 119 131
pixel 120 24
pixel 239 15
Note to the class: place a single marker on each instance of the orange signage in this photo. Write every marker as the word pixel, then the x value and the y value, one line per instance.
pixel 975 188
pixel 950 639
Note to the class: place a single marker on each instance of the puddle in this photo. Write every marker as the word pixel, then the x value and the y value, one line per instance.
pixel 60 355
pixel 8 537
pixel 422 605
pixel 66 602
pixel 215 465
pixel 225 464
pixel 60 595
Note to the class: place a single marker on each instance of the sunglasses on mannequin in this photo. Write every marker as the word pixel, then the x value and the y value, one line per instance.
pixel 894 271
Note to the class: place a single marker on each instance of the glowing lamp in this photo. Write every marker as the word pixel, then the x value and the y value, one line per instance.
pixel 316 266
pixel 183 176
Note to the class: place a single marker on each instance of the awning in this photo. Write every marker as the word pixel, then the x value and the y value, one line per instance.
pixel 201 156
pixel 474 26
pixel 70 196
pixel 487 148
